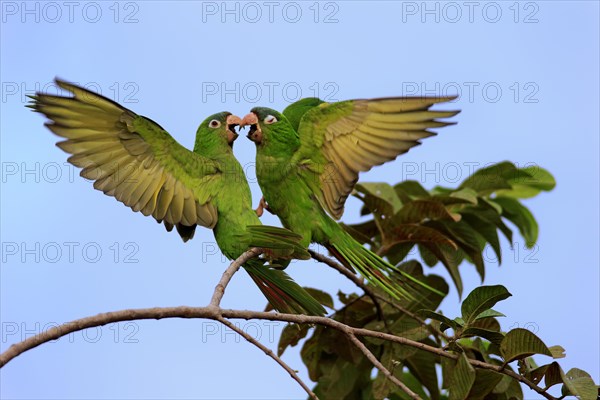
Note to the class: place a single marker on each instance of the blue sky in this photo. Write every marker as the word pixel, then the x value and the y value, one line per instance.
pixel 527 74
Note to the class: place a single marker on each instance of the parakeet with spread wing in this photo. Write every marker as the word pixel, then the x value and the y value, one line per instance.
pixel 135 160
pixel 308 160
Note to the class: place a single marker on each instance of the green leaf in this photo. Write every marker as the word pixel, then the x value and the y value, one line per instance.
pixel 466 238
pixel 290 336
pixel 579 383
pixel 520 343
pixel 490 179
pixel 450 258
pixel 492 336
pixel 413 384
pixel 552 374
pixel 398 252
pixel 490 324
pixel 379 197
pixel 519 215
pixel 439 317
pixel 382 386
pixel 485 382
pixel 311 356
pixel 422 366
pixel 413 233
pixel 557 351
pixel 420 210
pixel 481 299
pixel 447 371
pixel 346 298
pixel 540 178
pixel 487 229
pixel 462 379
pixel 362 233
pixel 410 190
pixel 536 180
pixel 489 314
pixel 467 194
pixel 322 297
pixel 338 381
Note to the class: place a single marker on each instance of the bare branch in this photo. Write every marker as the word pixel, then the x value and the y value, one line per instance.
pixel 348 274
pixel 212 313
pixel 270 353
pixel 228 274
pixel 371 357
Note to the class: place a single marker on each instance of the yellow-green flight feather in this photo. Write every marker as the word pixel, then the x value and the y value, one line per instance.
pixel 308 164
pixel 135 160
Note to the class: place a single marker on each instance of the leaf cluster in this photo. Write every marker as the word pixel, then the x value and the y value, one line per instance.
pixel 448 226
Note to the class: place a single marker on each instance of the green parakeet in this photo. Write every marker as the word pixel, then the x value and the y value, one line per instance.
pixel 133 159
pixel 308 160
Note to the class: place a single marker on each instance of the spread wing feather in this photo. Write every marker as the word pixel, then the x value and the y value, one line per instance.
pixel 132 158
pixel 340 140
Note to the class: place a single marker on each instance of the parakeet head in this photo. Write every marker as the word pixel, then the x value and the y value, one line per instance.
pixel 268 126
pixel 217 131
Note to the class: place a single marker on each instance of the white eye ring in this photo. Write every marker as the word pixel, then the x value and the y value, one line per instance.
pixel 214 124
pixel 269 119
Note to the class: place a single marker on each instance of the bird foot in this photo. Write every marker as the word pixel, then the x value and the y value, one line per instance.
pixel 262 205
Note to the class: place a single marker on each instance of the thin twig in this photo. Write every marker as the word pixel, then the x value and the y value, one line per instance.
pixel 212 313
pixel 228 274
pixel 371 357
pixel 348 274
pixel 270 353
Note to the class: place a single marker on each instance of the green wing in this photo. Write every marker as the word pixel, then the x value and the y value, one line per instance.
pixel 133 159
pixel 295 111
pixel 339 140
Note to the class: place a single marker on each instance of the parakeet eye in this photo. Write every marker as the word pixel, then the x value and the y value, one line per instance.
pixel 214 123
pixel 269 119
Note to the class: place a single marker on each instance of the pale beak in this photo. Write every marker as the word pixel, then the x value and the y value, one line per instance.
pixel 232 122
pixel 255 133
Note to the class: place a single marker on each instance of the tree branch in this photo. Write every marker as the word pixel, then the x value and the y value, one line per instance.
pixel 270 353
pixel 371 357
pixel 374 296
pixel 214 314
pixel 348 274
pixel 229 272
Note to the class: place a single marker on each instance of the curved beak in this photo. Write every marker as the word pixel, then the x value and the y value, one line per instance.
pixel 255 133
pixel 232 122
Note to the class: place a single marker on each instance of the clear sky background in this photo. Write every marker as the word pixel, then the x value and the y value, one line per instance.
pixel 527 74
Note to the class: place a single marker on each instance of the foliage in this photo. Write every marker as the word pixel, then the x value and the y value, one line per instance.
pixel 448 226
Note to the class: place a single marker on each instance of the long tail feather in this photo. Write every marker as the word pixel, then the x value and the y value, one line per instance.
pixel 283 293
pixel 375 269
pixel 283 242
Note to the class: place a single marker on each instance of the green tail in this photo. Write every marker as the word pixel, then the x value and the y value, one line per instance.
pixel 285 295
pixel 280 245
pixel 375 269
